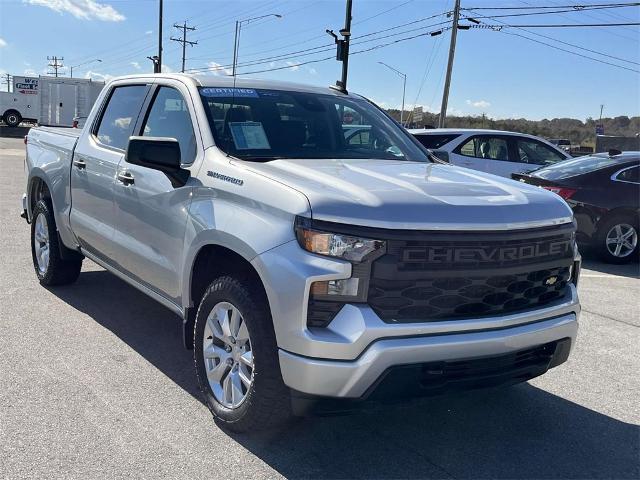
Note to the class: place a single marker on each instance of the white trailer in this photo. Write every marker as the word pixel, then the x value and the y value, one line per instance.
pixel 48 100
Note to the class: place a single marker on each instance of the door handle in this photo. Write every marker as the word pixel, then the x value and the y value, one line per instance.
pixel 80 164
pixel 125 178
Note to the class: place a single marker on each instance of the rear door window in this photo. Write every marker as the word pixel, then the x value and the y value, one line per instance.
pixel 536 153
pixel 631 175
pixel 120 115
pixel 491 148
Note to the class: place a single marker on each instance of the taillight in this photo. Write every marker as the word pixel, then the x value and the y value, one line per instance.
pixel 25 139
pixel 565 193
pixel 75 124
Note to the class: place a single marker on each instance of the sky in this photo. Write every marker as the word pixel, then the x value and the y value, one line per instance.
pixel 495 73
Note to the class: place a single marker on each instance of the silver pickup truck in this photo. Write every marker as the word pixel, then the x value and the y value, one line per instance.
pixel 317 255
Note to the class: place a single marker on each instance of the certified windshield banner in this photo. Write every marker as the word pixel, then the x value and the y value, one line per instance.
pixel 228 92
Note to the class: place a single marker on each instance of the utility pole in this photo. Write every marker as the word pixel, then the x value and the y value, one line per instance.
pixel 452 51
pixel 154 59
pixel 184 40
pixel 7 80
pixel 55 65
pixel 601 109
pixel 158 66
pixel 342 49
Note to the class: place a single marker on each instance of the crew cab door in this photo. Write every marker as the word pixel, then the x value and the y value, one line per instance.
pixel 150 213
pixel 94 165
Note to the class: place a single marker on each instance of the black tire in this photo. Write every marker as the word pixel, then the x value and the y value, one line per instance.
pixel 267 403
pixel 56 270
pixel 604 228
pixel 12 118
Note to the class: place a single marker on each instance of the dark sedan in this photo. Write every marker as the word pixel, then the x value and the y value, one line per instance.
pixel 603 191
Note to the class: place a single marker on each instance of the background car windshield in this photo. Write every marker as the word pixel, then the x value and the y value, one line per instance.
pixel 576 166
pixel 435 141
pixel 263 125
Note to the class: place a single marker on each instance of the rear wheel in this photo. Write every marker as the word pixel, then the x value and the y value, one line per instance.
pixel 51 269
pixel 617 239
pixel 236 358
pixel 12 118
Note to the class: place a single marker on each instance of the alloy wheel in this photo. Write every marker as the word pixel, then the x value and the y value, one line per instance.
pixel 622 240
pixel 228 357
pixel 41 243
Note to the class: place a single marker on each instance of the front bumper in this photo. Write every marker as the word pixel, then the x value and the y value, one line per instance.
pixel 349 356
pixel 352 379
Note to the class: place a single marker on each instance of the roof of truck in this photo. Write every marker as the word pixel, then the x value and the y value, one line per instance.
pixel 228 81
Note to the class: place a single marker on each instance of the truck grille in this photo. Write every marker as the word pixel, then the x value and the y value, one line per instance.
pixel 458 276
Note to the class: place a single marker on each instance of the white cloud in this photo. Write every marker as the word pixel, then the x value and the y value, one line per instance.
pixel 479 104
pixel 312 71
pixel 30 72
pixel 216 69
pixel 294 66
pixel 82 9
pixel 3 43
pixel 103 77
pixel 148 32
pixel 135 65
pixel 167 69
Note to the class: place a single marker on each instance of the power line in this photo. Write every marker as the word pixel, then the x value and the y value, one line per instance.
pixel 608 31
pixel 549 12
pixel 575 46
pixel 324 48
pixel 184 40
pixel 375 47
pixel 558 25
pixel 568 51
pixel 586 5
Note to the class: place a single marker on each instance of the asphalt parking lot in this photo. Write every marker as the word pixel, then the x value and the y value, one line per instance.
pixel 94 383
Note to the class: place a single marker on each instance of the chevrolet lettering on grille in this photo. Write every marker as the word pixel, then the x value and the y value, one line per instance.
pixel 484 255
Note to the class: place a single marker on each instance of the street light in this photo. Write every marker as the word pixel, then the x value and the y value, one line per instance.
pixel 404 88
pixel 236 40
pixel 85 63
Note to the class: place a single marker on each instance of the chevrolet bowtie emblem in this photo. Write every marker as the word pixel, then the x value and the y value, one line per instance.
pixel 551 280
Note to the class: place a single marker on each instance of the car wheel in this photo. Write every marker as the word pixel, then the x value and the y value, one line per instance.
pixel 51 269
pixel 12 118
pixel 617 239
pixel 236 358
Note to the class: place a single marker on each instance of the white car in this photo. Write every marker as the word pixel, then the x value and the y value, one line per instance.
pixel 493 151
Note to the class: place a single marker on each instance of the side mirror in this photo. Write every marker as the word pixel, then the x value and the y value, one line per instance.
pixel 158 153
pixel 441 154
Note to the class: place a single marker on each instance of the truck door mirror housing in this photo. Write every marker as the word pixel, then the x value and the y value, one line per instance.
pixel 158 153
pixel 441 154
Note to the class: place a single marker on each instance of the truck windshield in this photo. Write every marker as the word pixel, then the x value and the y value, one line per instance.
pixel 263 125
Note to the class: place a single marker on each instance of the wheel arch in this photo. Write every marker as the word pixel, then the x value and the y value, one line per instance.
pixel 211 261
pixel 214 260
pixel 37 189
pixel 618 212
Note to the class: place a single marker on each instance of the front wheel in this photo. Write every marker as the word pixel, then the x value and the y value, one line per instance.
pixel 51 269
pixel 236 357
pixel 617 239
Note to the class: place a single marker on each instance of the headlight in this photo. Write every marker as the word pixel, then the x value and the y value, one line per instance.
pixel 353 249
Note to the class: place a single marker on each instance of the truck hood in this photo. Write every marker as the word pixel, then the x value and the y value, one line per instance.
pixel 412 195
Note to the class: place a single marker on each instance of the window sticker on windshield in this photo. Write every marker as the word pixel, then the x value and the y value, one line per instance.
pixel 249 136
pixel 228 92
